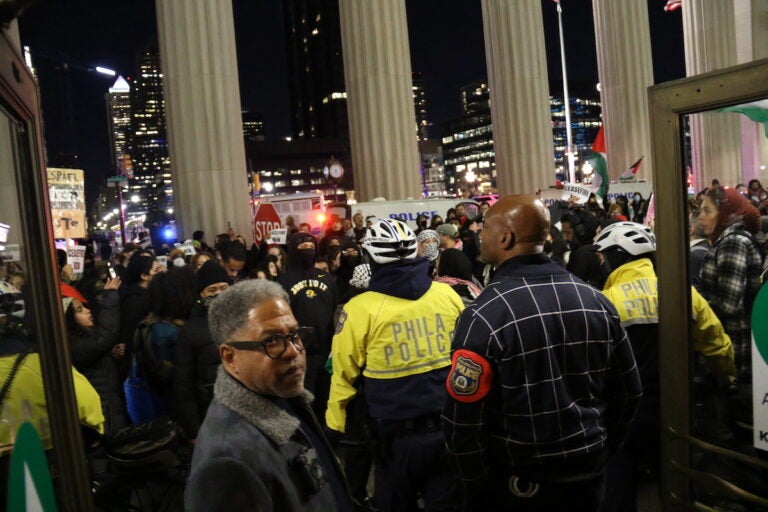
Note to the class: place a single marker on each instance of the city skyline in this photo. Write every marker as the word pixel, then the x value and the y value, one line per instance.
pixel 446 47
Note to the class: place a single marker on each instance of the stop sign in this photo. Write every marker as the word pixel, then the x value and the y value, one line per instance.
pixel 264 221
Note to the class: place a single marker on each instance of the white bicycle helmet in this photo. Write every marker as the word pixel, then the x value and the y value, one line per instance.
pixel 390 240
pixel 630 237
pixel 11 300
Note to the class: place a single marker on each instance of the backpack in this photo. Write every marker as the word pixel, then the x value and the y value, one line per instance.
pixel 156 372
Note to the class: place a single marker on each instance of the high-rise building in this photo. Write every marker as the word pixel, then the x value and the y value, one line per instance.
pixel 468 157
pixel 151 180
pixel 315 69
pixel 420 106
pixel 253 126
pixel 119 120
pixel 585 122
pixel 432 170
pixel 468 153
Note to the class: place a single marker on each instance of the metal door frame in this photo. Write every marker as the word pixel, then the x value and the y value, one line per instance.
pixel 667 103
pixel 19 94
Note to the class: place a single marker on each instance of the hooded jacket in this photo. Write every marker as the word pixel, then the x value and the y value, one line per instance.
pixel 91 355
pixel 397 337
pixel 313 296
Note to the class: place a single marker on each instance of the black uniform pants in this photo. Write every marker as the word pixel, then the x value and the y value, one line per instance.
pixel 410 465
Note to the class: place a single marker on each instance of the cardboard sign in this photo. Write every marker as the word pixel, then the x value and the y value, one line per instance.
pixel 278 236
pixel 265 220
pixel 188 248
pixel 66 192
pixel 574 193
pixel 76 258
pixel 12 252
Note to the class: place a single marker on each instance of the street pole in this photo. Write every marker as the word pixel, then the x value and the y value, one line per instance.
pixel 566 102
pixel 122 212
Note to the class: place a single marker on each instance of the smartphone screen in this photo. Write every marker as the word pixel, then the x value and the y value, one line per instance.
pixel 111 271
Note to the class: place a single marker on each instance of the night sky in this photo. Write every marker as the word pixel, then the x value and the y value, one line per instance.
pixel 446 46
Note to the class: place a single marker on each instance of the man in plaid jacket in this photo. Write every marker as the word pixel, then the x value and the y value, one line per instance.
pixel 543 383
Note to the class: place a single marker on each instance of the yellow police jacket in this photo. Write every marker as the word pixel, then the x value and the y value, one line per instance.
pixel 386 338
pixel 26 401
pixel 632 288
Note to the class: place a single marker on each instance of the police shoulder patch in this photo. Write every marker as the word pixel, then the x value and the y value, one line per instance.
pixel 470 377
pixel 340 321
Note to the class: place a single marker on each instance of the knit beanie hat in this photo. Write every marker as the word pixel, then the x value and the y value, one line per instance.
pixel 210 273
pixel 137 266
pixel 68 293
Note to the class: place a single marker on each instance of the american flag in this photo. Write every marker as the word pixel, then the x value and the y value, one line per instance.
pixel 673 5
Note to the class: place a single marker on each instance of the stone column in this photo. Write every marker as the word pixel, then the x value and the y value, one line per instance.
pixel 752 44
pixel 382 119
pixel 624 66
pixel 709 32
pixel 519 90
pixel 202 106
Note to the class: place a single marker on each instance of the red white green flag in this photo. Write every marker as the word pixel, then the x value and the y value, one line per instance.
pixel 631 173
pixel 597 159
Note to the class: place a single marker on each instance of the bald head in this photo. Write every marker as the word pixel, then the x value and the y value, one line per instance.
pixel 514 226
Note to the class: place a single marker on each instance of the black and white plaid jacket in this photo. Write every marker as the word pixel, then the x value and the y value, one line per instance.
pixel 564 379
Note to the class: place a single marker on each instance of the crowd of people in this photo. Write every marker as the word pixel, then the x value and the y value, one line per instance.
pixel 475 362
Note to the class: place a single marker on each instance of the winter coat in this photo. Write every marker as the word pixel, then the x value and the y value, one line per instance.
pixel 246 456
pixel 91 356
pixel 196 363
pixel 133 309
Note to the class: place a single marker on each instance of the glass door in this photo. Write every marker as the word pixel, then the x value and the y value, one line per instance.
pixel 714 402
pixel 35 369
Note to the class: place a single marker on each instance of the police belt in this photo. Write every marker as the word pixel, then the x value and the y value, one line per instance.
pixel 413 426
pixel 581 468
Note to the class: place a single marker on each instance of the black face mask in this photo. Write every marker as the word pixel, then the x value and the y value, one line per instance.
pixel 209 300
pixel 349 260
pixel 423 224
pixel 547 246
pixel 305 257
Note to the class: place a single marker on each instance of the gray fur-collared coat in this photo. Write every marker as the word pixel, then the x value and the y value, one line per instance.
pixel 246 453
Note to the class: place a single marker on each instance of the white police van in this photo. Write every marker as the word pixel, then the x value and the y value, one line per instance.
pixel 407 210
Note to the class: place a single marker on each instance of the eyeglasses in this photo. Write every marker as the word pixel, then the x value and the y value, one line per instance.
pixel 276 345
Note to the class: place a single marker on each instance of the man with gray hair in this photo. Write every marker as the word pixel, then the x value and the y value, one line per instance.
pixel 260 446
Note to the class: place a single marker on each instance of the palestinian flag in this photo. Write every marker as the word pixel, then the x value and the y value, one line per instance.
pixel 755 110
pixel 631 173
pixel 597 159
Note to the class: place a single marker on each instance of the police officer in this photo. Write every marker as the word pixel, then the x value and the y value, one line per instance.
pixel 628 249
pixel 543 384
pixel 393 341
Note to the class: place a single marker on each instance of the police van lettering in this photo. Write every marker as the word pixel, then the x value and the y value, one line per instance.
pixel 406 216
pixel 417 338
